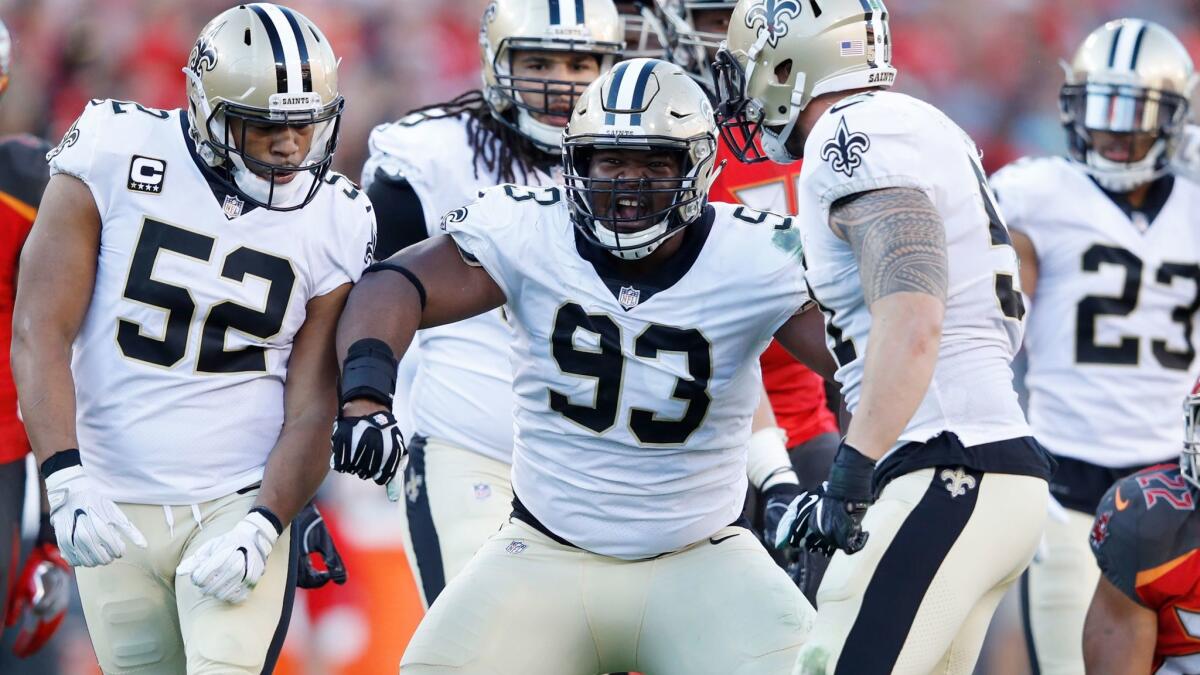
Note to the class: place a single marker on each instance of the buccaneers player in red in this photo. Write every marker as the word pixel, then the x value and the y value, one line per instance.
pixel 1145 614
pixel 34 596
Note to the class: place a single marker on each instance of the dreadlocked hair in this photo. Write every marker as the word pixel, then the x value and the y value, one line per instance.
pixel 497 146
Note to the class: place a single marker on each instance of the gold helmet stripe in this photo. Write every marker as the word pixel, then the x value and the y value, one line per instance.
pixel 1126 45
pixel 305 69
pixel 575 8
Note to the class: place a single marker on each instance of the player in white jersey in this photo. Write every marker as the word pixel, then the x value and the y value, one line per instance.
pixel 176 382
pixel 638 311
pixel 539 55
pixel 910 262
pixel 1110 255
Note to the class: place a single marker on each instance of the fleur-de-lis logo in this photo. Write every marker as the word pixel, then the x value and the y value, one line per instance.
pixel 845 150
pixel 957 481
pixel 412 488
pixel 204 56
pixel 772 16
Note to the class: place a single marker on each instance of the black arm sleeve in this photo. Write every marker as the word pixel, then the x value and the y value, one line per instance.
pixel 399 216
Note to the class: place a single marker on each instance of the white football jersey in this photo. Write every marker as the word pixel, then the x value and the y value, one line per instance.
pixel 886 140
pixel 462 390
pixel 181 360
pixel 1110 341
pixel 633 399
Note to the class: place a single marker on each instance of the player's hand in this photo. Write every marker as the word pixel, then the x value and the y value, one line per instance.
pixel 368 446
pixel 315 540
pixel 229 567
pixel 776 500
pixel 39 599
pixel 830 517
pixel 88 525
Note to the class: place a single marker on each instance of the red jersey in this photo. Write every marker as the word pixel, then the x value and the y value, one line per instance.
pixel 1146 538
pixel 23 177
pixel 796 393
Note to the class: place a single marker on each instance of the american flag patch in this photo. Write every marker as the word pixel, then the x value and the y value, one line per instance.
pixel 853 48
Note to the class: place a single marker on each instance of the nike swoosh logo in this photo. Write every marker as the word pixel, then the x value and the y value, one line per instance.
pixel 245 561
pixel 75 523
pixel 714 542
pixel 1122 504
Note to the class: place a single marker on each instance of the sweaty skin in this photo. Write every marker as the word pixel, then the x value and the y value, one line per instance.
pixel 278 144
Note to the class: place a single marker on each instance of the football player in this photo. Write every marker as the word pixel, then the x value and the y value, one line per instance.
pixel 1145 614
pixel 641 29
pixel 538 56
pixel 807 431
pixel 911 264
pixel 1111 257
pixel 639 311
pixel 40 588
pixel 176 380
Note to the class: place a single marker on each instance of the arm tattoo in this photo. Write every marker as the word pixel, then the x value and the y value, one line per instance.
pixel 898 239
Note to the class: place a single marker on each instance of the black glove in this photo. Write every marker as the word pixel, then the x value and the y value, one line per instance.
pixel 775 502
pixel 830 517
pixel 369 447
pixel 315 538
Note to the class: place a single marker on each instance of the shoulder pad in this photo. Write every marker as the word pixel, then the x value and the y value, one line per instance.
pixel 24 171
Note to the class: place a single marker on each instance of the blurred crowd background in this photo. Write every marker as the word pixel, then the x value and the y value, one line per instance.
pixel 992 65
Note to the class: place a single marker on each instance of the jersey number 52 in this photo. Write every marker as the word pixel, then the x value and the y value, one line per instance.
pixel 177 301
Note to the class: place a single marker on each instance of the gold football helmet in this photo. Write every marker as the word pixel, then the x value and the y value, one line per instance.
pixel 642 104
pixel 587 26
pixel 5 56
pixel 643 29
pixel 1125 102
pixel 1189 459
pixel 781 54
pixel 688 47
pixel 263 64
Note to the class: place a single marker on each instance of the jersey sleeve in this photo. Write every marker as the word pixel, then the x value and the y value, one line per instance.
pixel 350 253
pixel 402 151
pixel 1116 537
pixel 859 146
pixel 76 154
pixel 1016 187
pixel 486 233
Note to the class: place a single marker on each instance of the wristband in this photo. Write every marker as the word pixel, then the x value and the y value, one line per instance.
pixel 270 518
pixel 45 533
pixel 851 475
pixel 63 459
pixel 369 371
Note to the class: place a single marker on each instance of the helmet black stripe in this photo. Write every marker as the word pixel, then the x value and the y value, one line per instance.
pixel 305 69
pixel 555 15
pixel 613 88
pixel 639 92
pixel 281 78
pixel 579 12
pixel 1112 53
pixel 1137 47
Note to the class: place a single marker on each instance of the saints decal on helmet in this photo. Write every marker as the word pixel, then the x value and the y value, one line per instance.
pixel 781 54
pixel 572 26
pixel 1125 102
pixel 642 105
pixel 688 46
pixel 261 65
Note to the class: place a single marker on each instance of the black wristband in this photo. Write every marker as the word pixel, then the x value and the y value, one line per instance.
pixel 270 516
pixel 64 459
pixel 416 282
pixel 369 371
pixel 851 474
pixel 45 533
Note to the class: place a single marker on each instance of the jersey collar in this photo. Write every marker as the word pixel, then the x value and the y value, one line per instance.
pixel 1156 198
pixel 218 178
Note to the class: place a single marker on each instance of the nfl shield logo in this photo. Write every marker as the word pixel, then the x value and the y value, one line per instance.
pixel 629 297
pixel 233 207
pixel 482 491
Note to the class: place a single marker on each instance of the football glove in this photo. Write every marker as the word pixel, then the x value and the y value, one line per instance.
pixel 229 567
pixel 39 599
pixel 776 500
pixel 830 517
pixel 315 540
pixel 88 525
pixel 370 447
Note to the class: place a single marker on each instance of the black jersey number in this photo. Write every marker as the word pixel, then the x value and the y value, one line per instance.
pixel 606 365
pixel 1125 352
pixel 1012 306
pixel 177 301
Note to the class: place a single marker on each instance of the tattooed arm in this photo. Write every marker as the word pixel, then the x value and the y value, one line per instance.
pixel 899 241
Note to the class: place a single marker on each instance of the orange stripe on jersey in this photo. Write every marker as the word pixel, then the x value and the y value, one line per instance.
pixel 1147 577
pixel 24 210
